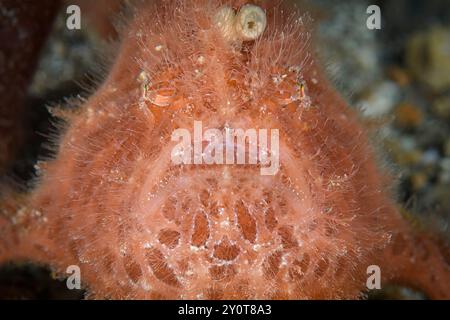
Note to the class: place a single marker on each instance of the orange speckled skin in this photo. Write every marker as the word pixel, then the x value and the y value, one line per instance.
pixel 139 226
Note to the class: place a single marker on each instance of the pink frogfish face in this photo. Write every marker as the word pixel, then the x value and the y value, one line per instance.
pixel 215 162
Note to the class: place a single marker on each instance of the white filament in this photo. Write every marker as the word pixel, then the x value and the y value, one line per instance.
pixel 224 20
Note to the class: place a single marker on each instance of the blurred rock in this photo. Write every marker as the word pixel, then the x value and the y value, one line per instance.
pixel 418 180
pixel 447 147
pixel 398 75
pixel 403 152
pixel 445 172
pixel 430 157
pixel 380 99
pixel 441 107
pixel 346 45
pixel 428 58
pixel 68 57
pixel 408 115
